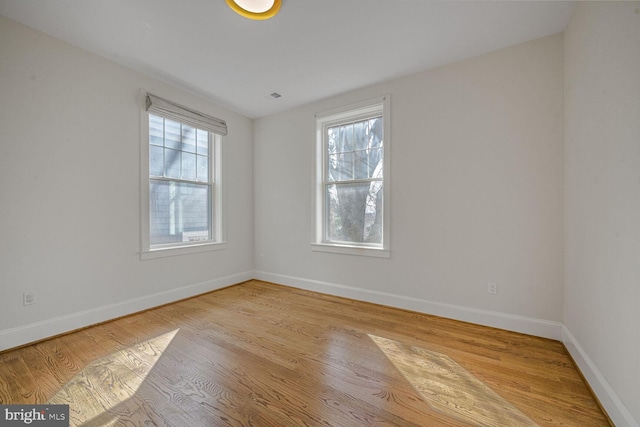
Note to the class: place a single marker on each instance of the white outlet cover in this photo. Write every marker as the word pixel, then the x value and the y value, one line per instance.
pixel 29 298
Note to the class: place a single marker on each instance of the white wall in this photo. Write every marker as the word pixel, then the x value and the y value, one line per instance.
pixel 602 140
pixel 70 186
pixel 477 193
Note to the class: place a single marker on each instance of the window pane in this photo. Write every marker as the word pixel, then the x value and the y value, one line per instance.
pixel 178 212
pixel 361 164
pixel 332 140
pixel 188 139
pixel 188 166
pixel 172 134
pixel 375 132
pixel 360 135
pixel 156 160
pixel 345 166
pixel 346 138
pixel 375 163
pixel 203 142
pixel 171 163
pixel 354 212
pixel 332 168
pixel 203 168
pixel 156 130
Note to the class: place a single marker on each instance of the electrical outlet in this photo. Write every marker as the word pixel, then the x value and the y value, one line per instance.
pixel 492 288
pixel 28 298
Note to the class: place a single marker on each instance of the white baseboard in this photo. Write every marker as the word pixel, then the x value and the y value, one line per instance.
pixel 511 322
pixel 608 398
pixel 21 335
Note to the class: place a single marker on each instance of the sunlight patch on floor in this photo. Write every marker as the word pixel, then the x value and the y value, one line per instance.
pixel 449 388
pixel 109 382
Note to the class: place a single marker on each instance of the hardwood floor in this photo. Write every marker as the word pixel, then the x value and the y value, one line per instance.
pixel 258 354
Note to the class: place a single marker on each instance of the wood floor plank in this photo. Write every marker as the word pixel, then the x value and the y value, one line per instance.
pixel 259 354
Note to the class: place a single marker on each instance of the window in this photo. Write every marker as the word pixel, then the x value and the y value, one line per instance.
pixel 352 180
pixel 181 156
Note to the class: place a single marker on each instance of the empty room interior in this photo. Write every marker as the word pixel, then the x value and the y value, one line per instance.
pixel 336 212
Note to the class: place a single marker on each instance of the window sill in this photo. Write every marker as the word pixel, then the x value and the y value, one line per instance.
pixel 351 250
pixel 181 250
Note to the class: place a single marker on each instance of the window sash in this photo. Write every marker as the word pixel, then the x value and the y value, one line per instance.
pixel 363 230
pixel 175 218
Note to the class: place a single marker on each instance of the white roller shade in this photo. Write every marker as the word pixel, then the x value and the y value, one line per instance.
pixel 171 110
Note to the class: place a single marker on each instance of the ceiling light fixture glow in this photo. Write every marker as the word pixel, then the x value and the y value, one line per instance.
pixel 255 9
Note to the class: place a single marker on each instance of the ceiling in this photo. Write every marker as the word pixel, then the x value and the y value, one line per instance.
pixel 311 50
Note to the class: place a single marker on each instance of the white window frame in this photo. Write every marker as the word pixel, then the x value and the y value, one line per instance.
pixel 149 251
pixel 359 111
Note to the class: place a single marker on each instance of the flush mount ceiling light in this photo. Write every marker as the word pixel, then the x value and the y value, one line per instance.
pixel 255 9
